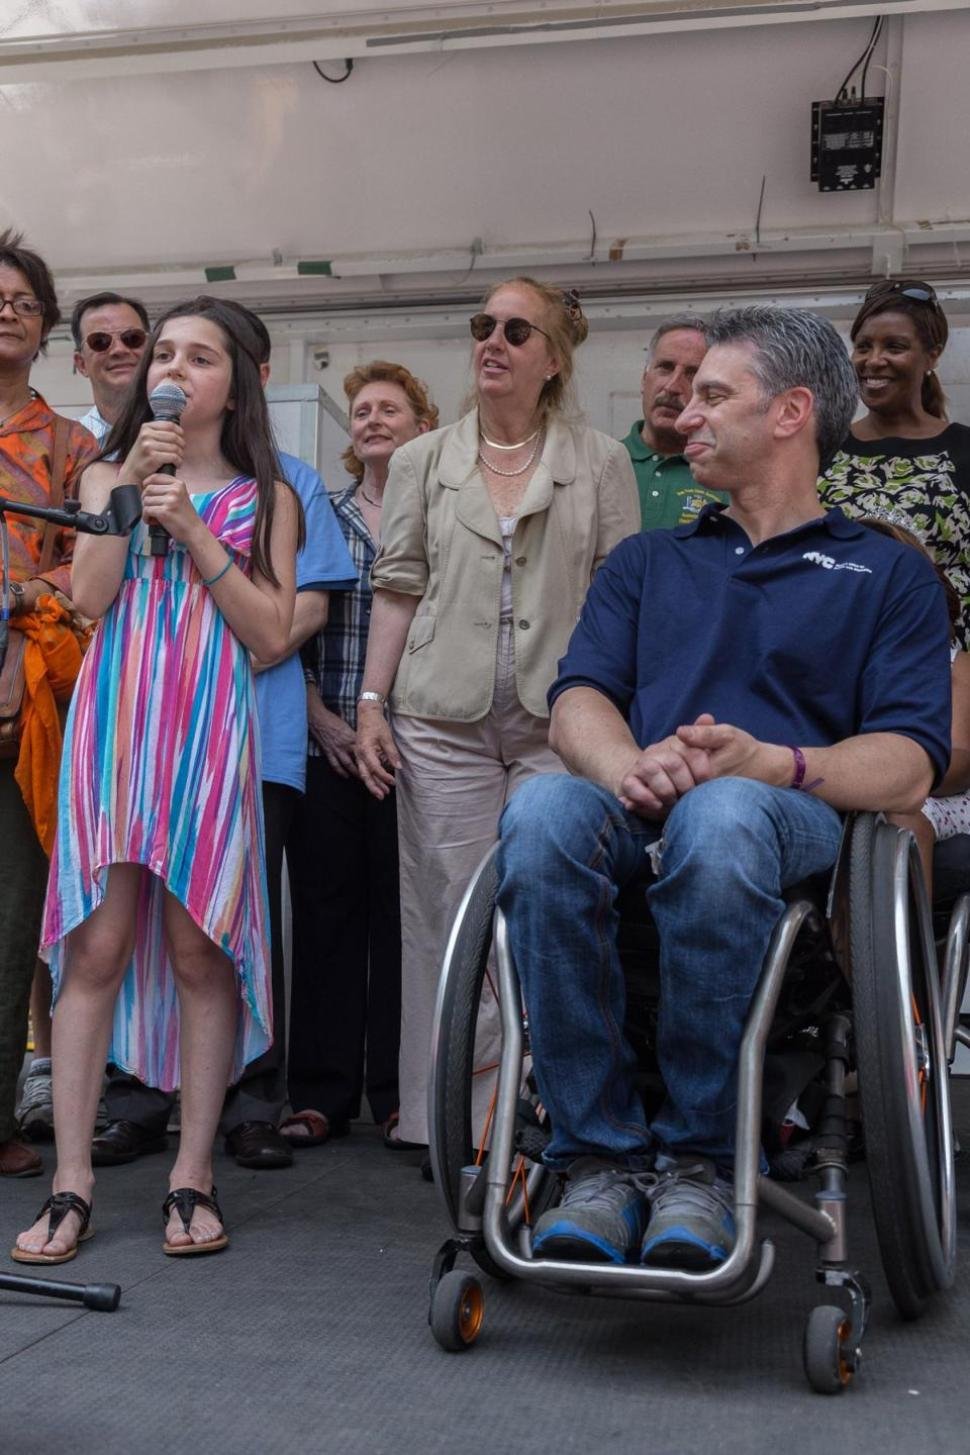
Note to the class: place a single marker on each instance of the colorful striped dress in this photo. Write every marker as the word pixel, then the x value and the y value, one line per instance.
pixel 161 768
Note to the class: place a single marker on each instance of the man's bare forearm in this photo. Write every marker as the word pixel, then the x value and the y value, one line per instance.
pixel 876 772
pixel 592 737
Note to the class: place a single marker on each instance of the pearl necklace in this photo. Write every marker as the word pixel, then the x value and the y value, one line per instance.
pixel 509 474
pixel 494 444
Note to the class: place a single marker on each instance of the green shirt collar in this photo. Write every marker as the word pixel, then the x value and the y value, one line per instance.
pixel 640 452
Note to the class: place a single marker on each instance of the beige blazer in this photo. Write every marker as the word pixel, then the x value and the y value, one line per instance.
pixel 440 540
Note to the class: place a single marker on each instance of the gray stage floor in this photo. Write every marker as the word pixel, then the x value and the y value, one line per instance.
pixel 309 1335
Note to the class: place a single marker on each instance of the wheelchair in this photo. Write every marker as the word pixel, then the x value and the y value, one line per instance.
pixel 854 983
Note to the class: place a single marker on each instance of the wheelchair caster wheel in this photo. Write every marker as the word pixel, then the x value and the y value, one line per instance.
pixel 829 1362
pixel 457 1311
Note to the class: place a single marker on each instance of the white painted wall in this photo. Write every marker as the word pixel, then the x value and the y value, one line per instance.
pixel 659 137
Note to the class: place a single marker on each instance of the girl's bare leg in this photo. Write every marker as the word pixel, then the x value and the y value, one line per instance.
pixel 97 956
pixel 209 1007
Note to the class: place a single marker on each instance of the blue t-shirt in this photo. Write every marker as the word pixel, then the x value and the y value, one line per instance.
pixel 811 637
pixel 323 564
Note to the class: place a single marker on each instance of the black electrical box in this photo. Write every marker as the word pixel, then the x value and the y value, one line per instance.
pixel 847 144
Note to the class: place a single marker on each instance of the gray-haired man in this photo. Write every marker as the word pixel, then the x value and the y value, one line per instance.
pixel 733 687
pixel 669 494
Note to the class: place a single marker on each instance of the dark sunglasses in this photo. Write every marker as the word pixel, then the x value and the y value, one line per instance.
pixel 919 292
pixel 517 330
pixel 132 338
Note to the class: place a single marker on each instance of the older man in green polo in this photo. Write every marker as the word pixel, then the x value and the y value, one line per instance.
pixel 669 495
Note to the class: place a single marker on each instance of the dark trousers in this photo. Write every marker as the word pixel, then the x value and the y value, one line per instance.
pixel 260 1095
pixel 23 882
pixel 345 999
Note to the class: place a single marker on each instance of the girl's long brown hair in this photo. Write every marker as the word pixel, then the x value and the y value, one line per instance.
pixel 247 434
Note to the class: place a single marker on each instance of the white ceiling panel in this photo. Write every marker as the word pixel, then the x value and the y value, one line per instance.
pixel 420 163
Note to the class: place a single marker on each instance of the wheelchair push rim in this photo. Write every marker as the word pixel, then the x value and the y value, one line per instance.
pixel 902 1064
pixel 455 1145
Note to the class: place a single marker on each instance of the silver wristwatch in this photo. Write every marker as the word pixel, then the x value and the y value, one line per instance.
pixel 17 593
pixel 377 697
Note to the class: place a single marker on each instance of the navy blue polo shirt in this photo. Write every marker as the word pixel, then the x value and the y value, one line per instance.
pixel 811 637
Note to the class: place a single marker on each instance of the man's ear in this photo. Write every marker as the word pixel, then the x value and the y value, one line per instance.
pixel 79 365
pixel 795 409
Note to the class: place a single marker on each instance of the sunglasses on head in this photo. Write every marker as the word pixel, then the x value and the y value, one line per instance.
pixel 100 342
pixel 517 331
pixel 919 292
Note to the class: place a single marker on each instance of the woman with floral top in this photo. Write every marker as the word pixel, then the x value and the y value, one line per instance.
pixel 903 455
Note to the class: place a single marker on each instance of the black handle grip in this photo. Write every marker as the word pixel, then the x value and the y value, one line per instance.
pixel 157 534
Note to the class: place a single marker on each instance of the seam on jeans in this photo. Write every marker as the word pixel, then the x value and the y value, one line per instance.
pixel 614 1032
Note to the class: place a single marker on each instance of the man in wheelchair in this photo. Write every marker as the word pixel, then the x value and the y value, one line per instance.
pixel 732 688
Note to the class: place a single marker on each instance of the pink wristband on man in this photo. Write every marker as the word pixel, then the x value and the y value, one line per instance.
pixel 801 767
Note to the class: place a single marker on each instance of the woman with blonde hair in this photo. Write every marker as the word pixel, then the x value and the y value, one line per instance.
pixel 345 1002
pixel 492 531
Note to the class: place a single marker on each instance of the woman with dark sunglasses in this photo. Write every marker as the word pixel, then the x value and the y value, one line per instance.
pixel 492 531
pixel 904 455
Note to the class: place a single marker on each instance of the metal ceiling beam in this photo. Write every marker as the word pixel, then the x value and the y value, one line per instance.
pixel 377 34
pixel 639 261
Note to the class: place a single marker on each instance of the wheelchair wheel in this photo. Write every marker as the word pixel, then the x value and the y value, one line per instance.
pixel 457 1311
pixel 455 1140
pixel 824 1351
pixel 902 1063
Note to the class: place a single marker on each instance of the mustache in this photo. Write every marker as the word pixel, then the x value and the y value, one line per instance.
pixel 669 401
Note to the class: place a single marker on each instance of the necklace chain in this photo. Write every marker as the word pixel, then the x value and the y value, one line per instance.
pixel 376 503
pixel 510 474
pixel 494 444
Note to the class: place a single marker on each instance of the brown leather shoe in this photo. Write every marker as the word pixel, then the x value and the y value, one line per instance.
pixel 19 1160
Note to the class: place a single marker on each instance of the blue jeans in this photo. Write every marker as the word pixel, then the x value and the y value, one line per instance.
pixel 728 849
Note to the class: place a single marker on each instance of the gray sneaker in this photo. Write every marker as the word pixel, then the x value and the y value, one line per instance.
pixel 35 1114
pixel 692 1218
pixel 600 1219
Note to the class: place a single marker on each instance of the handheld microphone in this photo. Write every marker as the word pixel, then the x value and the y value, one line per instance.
pixel 166 401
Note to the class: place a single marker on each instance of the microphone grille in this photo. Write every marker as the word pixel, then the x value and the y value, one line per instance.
pixel 167 400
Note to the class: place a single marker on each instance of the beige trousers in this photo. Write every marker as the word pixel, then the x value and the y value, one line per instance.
pixel 455 779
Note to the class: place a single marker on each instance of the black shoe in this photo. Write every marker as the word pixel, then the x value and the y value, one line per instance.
pixel 259 1145
pixel 123 1141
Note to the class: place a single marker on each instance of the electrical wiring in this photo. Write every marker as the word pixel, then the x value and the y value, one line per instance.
pixel 334 80
pixel 865 69
pixel 865 58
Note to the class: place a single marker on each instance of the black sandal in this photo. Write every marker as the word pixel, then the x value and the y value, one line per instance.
pixel 185 1200
pixel 57 1206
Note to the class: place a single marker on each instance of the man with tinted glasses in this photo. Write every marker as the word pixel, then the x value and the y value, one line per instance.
pixel 109 338
pixel 669 494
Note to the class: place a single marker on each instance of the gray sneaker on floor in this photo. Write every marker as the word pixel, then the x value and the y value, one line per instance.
pixel 35 1114
pixel 692 1216
pixel 600 1219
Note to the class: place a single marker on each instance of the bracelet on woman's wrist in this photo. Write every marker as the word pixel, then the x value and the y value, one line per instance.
pixel 211 580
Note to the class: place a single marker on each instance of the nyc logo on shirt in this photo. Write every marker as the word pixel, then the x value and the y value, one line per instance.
pixel 818 559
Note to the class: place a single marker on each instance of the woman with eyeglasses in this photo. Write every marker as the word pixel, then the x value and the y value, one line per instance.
pixel 492 531
pixel 904 456
pixel 40 454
